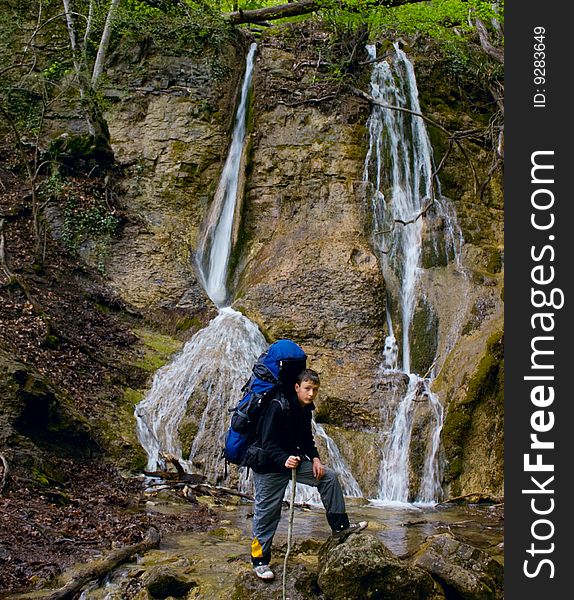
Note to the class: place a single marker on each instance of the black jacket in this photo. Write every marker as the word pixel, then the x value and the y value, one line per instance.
pixel 285 430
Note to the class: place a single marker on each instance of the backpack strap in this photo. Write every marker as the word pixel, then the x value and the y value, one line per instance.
pixel 280 399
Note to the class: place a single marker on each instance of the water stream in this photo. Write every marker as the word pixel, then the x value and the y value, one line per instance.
pixel 215 245
pixel 399 173
pixel 206 377
pixel 190 397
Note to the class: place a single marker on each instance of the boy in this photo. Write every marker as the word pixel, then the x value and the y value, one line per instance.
pixel 285 436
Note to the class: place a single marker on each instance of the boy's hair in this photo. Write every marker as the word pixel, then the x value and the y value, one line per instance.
pixel 308 375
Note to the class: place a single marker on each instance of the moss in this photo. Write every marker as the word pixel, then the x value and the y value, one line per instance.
pixel 39 477
pixel 424 338
pixel 484 389
pixel 133 397
pixel 158 349
pixel 187 431
pixel 82 152
pixel 455 426
pixel 488 380
pixel 188 322
pixel 454 469
pixel 494 261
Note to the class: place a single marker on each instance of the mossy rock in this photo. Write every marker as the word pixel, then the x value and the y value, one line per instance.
pixel 81 153
pixel 158 349
pixel 36 418
pixel 424 338
pixel 484 395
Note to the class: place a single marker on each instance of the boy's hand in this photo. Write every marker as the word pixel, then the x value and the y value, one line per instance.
pixel 318 468
pixel 292 462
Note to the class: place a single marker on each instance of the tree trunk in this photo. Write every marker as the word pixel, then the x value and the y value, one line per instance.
pixel 294 9
pixel 104 43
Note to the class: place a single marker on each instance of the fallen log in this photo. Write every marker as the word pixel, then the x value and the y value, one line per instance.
pixel 295 9
pixel 4 472
pixel 99 569
pixel 194 478
pixel 200 489
pixel 472 497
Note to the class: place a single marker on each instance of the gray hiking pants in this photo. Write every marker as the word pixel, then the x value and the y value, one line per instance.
pixel 269 493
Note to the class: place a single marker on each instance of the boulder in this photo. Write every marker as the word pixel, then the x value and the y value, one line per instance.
pixel 362 568
pixel 301 585
pixel 464 571
pixel 165 581
pixel 35 416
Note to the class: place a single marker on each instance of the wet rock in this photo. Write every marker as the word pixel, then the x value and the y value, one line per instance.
pixel 165 581
pixel 464 571
pixel 363 567
pixel 301 585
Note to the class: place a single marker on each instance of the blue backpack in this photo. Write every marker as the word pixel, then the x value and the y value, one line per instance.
pixel 277 367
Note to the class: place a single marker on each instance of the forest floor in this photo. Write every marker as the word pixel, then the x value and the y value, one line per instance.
pixel 62 501
pixel 45 531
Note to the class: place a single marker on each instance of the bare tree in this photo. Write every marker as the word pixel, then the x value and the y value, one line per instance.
pixel 87 82
pixel 104 42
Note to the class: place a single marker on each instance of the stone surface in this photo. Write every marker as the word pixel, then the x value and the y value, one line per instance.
pixel 35 416
pixel 305 268
pixel 362 567
pixel 169 121
pixel 301 585
pixel 164 581
pixel 465 572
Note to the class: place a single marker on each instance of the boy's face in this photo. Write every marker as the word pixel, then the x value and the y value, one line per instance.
pixel 306 392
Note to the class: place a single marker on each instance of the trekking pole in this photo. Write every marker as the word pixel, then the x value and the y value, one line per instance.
pixel 289 529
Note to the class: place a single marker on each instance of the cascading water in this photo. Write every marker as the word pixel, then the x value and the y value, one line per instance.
pixel 211 368
pixel 215 246
pixel 399 172
pixel 335 460
pixel 215 363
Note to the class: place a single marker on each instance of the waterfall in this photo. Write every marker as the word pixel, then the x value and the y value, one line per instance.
pixel 206 377
pixel 210 370
pixel 399 173
pixel 197 389
pixel 215 245
pixel 333 458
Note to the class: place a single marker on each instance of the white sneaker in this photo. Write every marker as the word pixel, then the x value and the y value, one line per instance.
pixel 264 572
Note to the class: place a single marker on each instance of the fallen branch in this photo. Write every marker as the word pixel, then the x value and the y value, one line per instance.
pixel 4 472
pixel 222 490
pixel 170 458
pixel 308 100
pixel 476 496
pixel 100 568
pixel 3 262
pixel 454 137
pixel 200 489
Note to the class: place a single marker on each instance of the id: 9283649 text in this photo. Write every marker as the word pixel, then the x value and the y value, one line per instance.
pixel 539 64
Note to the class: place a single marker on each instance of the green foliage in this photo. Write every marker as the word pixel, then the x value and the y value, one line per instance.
pixel 24 107
pixel 55 70
pixel 86 221
pixel 439 19
pixel 188 27
pixel 85 211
